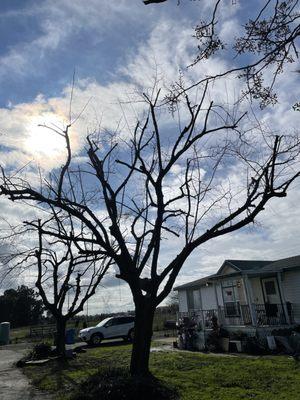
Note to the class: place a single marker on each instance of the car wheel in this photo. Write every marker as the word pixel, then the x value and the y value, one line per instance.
pixel 130 336
pixel 96 339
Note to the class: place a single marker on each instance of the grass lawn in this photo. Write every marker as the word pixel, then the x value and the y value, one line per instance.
pixel 197 376
pixel 19 334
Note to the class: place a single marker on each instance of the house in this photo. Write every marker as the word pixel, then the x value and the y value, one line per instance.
pixel 245 295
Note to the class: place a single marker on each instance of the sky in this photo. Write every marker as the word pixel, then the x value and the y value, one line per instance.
pixel 115 50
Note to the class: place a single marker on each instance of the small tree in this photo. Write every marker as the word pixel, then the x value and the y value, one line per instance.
pixel 65 279
pixel 71 275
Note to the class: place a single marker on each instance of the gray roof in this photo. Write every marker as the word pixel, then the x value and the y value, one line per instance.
pixel 198 282
pixel 245 265
pixel 284 263
pixel 249 266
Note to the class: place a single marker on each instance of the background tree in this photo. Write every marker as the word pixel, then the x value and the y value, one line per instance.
pixel 21 307
pixel 65 279
pixel 191 183
pixel 173 301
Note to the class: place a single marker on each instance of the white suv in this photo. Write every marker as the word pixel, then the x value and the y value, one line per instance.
pixel 109 328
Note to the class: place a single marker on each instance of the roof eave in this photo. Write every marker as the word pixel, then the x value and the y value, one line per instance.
pixel 227 263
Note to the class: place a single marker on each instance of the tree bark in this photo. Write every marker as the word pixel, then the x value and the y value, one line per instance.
pixel 61 337
pixel 144 315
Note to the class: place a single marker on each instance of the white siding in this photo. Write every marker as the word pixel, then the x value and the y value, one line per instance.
pixel 291 288
pixel 208 297
pixel 197 299
pixel 219 294
pixel 182 297
pixel 241 296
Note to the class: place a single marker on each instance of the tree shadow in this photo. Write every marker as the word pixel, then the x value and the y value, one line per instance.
pixel 109 343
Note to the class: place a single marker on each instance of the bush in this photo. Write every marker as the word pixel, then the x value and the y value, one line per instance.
pixel 117 384
pixel 255 345
pixel 40 351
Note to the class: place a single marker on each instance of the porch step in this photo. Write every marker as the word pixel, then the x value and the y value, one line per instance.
pixel 237 344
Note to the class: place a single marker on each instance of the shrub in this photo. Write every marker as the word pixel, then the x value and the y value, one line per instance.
pixel 255 345
pixel 40 351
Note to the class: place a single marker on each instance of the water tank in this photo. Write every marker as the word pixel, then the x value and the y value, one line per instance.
pixel 4 332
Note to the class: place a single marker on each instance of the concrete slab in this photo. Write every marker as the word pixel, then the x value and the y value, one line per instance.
pixel 13 383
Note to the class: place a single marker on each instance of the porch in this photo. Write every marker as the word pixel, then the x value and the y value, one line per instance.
pixel 236 314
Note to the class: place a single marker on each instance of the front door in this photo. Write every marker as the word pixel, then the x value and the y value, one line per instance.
pixel 274 312
pixel 271 292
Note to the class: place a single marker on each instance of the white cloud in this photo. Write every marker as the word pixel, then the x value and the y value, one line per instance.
pixel 230 30
pixel 58 21
pixel 118 104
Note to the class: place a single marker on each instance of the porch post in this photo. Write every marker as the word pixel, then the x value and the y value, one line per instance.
pixel 286 314
pixel 249 294
pixel 201 312
pixel 217 301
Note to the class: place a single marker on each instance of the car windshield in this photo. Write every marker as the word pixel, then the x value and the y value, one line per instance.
pixel 103 322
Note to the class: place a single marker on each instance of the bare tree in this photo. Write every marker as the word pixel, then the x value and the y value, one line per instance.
pixel 269 43
pixel 65 279
pixel 153 1
pixel 197 182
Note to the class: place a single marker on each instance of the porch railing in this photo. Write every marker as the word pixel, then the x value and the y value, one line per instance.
pixel 240 315
pixel 205 317
pixel 273 314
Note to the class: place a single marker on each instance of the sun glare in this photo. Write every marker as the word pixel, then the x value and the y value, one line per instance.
pixel 43 142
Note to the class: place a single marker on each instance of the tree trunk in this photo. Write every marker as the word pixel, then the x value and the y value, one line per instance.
pixel 61 337
pixel 144 314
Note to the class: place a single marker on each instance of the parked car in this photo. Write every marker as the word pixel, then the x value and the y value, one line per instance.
pixel 109 328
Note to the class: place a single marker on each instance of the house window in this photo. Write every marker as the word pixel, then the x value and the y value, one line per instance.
pixel 228 294
pixel 231 309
